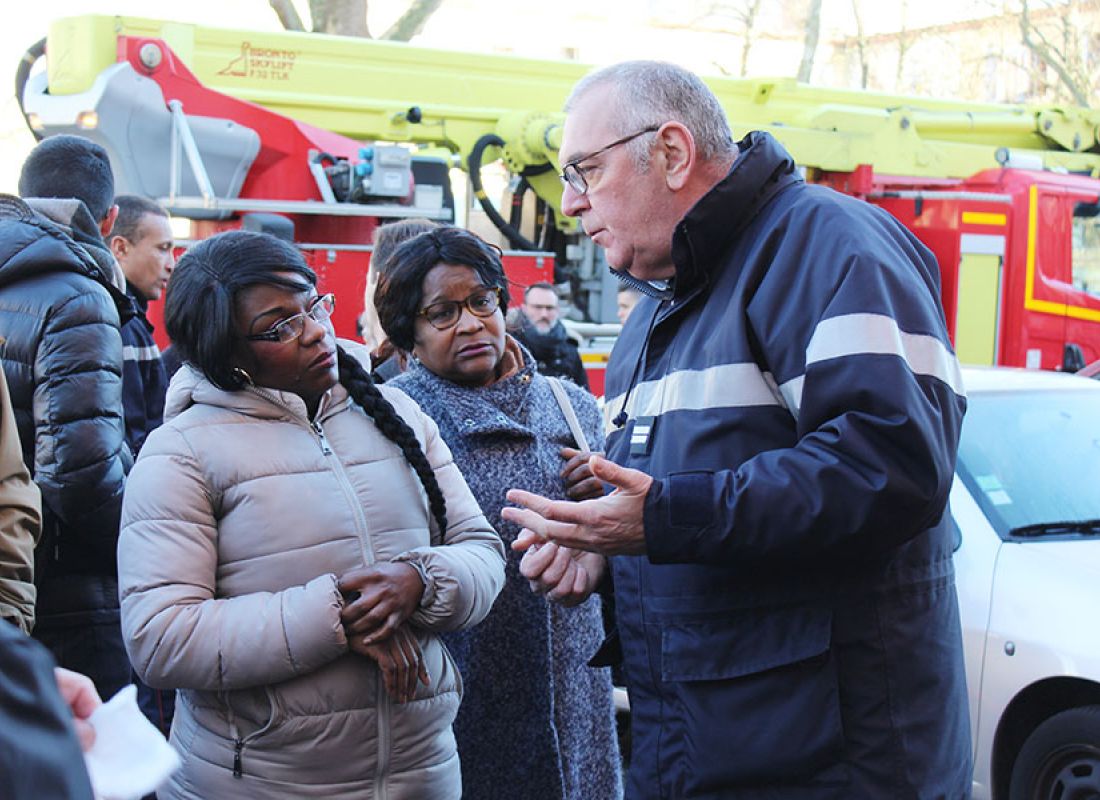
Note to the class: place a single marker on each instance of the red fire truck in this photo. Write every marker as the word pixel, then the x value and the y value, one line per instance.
pixel 329 136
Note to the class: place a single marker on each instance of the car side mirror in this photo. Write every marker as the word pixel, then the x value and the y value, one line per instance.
pixel 1073 359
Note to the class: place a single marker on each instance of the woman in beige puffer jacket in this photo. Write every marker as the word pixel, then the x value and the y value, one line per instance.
pixel 288 554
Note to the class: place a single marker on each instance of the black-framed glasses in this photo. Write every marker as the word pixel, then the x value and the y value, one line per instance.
pixel 292 327
pixel 573 176
pixel 446 313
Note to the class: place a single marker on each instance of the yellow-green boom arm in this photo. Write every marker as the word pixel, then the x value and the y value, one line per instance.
pixel 364 89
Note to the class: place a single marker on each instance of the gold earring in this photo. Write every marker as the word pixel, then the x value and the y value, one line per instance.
pixel 242 376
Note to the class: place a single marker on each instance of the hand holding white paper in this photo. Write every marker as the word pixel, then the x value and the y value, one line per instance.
pixel 130 757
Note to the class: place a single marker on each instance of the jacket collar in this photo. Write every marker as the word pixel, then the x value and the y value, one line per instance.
pixel 72 216
pixel 544 346
pixel 482 410
pixel 140 305
pixel 190 387
pixel 138 298
pixel 52 235
pixel 762 170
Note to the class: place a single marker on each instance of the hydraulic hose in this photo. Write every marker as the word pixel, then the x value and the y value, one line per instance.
pixel 22 73
pixel 473 165
pixel 515 219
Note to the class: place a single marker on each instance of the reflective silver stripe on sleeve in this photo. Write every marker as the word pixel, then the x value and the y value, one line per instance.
pixel 149 353
pixel 791 392
pixel 723 386
pixel 875 334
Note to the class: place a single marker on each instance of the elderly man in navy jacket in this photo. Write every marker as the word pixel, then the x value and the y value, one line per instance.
pixel 783 418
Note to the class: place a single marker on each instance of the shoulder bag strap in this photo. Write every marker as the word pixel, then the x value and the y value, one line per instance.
pixel 570 414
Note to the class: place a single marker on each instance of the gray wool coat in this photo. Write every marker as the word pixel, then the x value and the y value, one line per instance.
pixel 536 721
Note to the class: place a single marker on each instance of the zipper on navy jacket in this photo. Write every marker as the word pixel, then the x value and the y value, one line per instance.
pixel 621 418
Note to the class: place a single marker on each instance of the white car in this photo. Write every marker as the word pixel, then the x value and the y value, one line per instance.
pixel 1026 505
pixel 1091 371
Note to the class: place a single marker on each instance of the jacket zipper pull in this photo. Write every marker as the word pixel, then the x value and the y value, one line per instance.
pixel 321 435
pixel 237 769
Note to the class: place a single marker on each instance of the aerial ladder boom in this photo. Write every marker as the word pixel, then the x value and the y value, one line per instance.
pixel 377 90
pixel 319 128
pixel 362 89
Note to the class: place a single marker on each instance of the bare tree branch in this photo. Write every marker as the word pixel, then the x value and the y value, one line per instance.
pixel 809 46
pixel 748 20
pixel 412 21
pixel 736 17
pixel 288 14
pixel 344 17
pixel 1036 41
pixel 861 46
pixel 904 43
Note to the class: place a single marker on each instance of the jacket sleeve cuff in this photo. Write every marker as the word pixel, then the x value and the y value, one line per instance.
pixel 414 558
pixel 311 645
pixel 679 514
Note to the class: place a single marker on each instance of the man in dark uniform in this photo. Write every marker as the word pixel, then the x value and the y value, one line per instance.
pixel 782 434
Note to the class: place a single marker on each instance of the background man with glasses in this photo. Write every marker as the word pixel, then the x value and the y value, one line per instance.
pixel 782 432
pixel 539 329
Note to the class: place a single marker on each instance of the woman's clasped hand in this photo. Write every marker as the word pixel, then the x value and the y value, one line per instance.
pixel 377 602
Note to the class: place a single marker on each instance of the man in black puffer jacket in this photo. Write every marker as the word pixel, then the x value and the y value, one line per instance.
pixel 61 297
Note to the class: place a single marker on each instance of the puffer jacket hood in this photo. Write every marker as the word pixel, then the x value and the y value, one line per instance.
pixel 37 245
pixel 189 387
pixel 58 235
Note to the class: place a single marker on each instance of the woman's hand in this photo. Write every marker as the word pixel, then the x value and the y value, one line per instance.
pixel 379 598
pixel 400 659
pixel 580 483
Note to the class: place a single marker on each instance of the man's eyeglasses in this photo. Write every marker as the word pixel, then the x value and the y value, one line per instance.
pixel 572 174
pixel 292 327
pixel 446 313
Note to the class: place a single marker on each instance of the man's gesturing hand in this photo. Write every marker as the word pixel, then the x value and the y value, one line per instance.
pixel 564 575
pixel 609 525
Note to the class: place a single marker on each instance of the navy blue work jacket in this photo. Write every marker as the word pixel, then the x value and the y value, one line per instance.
pixel 144 380
pixel 793 630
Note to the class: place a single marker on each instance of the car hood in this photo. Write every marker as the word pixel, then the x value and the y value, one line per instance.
pixel 1074 554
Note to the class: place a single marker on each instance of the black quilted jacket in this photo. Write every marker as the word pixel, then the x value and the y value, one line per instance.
pixel 62 354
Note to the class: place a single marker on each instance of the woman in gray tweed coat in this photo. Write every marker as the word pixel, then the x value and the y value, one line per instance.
pixel 536 722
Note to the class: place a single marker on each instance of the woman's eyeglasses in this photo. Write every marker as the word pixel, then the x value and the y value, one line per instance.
pixel 446 313
pixel 292 327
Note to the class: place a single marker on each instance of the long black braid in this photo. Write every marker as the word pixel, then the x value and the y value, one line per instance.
pixel 364 392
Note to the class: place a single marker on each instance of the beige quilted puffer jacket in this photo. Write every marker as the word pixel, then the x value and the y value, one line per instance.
pixel 238 517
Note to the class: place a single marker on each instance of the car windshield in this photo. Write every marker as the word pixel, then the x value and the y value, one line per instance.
pixel 1032 461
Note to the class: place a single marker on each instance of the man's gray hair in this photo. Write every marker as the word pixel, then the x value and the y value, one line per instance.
pixel 646 93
